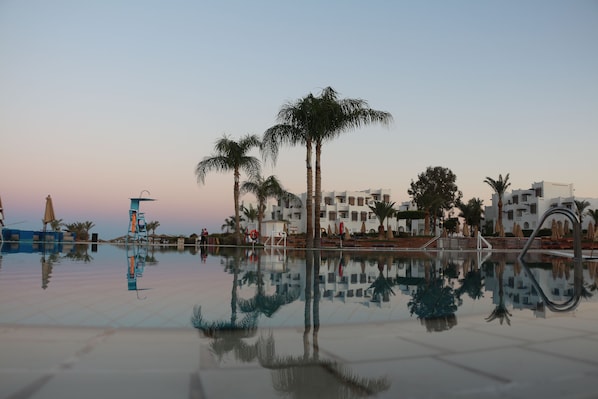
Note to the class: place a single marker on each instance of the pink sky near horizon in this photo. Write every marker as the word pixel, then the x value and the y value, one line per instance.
pixel 101 100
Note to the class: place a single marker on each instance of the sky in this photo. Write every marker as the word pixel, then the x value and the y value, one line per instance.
pixel 101 100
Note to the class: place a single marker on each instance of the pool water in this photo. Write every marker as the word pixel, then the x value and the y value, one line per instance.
pixel 160 287
pixel 329 323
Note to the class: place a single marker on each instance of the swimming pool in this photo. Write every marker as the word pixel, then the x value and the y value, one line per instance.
pixel 334 323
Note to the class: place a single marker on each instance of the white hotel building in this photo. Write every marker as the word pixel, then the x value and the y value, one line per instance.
pixel 526 207
pixel 349 207
pixel 523 206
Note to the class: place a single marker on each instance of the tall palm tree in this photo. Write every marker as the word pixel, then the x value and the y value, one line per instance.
pixel 263 189
pixel 336 116
pixel 500 187
pixel 231 156
pixel 581 206
pixel 296 121
pixel 382 210
pixel 311 121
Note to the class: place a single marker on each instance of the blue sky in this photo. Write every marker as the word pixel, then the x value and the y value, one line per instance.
pixel 100 100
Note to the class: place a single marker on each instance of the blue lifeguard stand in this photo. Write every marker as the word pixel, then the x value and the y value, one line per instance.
pixel 137 226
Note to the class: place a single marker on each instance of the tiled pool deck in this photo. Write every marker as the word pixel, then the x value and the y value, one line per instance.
pixel 554 360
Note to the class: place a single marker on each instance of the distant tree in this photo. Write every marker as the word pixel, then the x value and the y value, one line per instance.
pixel 263 189
pixel 250 213
pixel 152 226
pixel 230 224
pixel 80 229
pixel 500 187
pixel 232 156
pixel 593 213
pixel 434 192
pixel 382 210
pixel 55 225
pixel 472 212
pixel 581 206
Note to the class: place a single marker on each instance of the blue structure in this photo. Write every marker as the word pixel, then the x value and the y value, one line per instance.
pixel 137 227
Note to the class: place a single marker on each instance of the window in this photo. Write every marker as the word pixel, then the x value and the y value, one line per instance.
pixel 343 214
pixel 340 199
pixel 364 216
pixel 386 198
pixel 332 215
pixel 510 215
pixel 515 199
pixel 354 216
pixel 328 200
pixel 360 201
pixel 375 197
pixel 538 192
pixel 533 209
pixel 351 200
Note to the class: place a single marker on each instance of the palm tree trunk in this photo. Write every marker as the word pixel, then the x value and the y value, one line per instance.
pixel 236 200
pixel 309 241
pixel 501 230
pixel 318 198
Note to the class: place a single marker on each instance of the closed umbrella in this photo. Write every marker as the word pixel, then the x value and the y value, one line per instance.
pixel 554 231
pixel 566 228
pixel 329 230
pixel 1 214
pixel 49 213
pixel 519 231
pixel 363 227
pixel 465 230
pixel 559 226
pixel 591 231
pixel 389 234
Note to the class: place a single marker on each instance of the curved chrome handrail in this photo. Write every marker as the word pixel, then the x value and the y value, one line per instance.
pixel 577 258
pixel 576 230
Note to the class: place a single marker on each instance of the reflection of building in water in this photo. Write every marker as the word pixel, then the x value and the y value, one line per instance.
pixel 520 292
pixel 351 279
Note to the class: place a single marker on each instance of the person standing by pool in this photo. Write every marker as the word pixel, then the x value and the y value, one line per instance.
pixel 204 236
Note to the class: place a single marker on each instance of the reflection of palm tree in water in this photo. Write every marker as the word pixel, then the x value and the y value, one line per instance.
pixel 472 282
pixel 435 303
pixel 261 303
pixel 308 376
pixel 500 312
pixel 228 335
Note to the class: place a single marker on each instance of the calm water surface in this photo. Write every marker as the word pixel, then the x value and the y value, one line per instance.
pixel 224 288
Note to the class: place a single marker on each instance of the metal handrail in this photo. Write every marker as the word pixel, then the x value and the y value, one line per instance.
pixel 576 230
pixel 577 257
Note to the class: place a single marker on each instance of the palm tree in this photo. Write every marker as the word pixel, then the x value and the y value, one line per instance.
pixel 382 210
pixel 472 212
pixel 500 187
pixel 593 213
pixel 231 155
pixel 294 128
pixel 152 226
pixel 581 206
pixel 230 224
pixel 312 121
pixel 56 224
pixel 250 213
pixel 263 189
pixel 336 116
